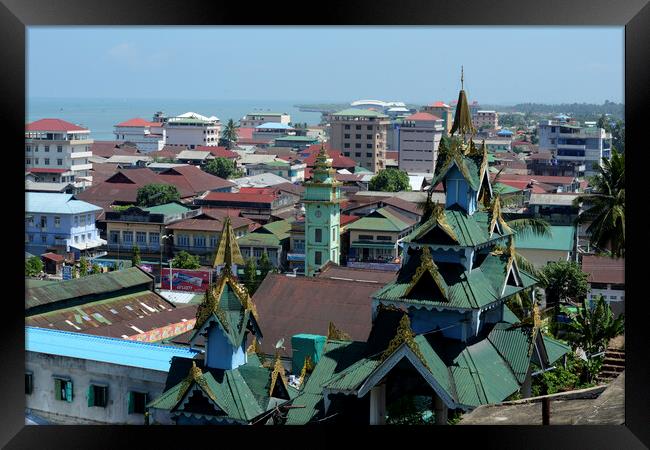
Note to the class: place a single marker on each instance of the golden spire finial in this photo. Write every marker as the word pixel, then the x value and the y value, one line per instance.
pixel 228 252
pixel 461 78
pixel 336 334
pixel 537 320
pixel 403 334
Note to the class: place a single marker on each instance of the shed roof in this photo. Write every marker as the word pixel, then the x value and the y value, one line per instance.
pixel 55 203
pixel 603 269
pixel 562 238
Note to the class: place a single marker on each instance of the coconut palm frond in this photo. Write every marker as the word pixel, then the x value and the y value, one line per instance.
pixel 536 226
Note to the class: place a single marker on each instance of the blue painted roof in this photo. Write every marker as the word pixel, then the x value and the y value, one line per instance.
pixel 51 203
pixel 104 349
pixel 275 125
pixel 504 133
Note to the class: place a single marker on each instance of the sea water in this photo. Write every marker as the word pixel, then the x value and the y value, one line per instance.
pixel 101 115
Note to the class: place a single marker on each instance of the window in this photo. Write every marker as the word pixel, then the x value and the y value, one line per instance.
pixel 141 237
pixel 318 235
pixel 257 252
pixel 43 239
pixel 57 222
pixel 137 402
pixel 347 136
pixel 59 148
pixel 369 127
pixel 30 220
pixel 76 221
pixel 59 162
pixel 76 239
pixel 368 155
pixel 97 395
pixel 368 145
pixel 63 389
pixel 28 148
pixel 35 160
pixel 365 237
pixel 154 238
pixel 47 161
pixel 357 145
pixel 213 240
pixel 114 237
pixel 346 145
pixel 128 237
pixel 333 234
pixel 384 238
pixel 183 240
pixel 199 241
pixel 318 257
pixel 368 136
pixel 357 136
pixel 347 127
pixel 29 383
pixel 358 127
pixel 28 161
pixel 30 237
pixel 357 154
pixel 46 148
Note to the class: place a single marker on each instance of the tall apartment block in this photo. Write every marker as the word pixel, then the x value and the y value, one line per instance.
pixel 192 130
pixel 482 118
pixel 442 110
pixel 361 135
pixel 419 138
pixel 572 143
pixel 254 119
pixel 57 151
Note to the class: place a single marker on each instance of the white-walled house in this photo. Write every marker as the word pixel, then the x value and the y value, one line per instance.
pixel 192 130
pixel 147 136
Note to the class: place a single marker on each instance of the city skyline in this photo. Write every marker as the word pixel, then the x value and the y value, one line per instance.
pixel 267 64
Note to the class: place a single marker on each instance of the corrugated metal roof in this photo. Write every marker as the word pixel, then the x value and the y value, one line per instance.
pixel 90 285
pixel 555 349
pixel 98 348
pixel 561 238
pixel 55 203
pixel 513 345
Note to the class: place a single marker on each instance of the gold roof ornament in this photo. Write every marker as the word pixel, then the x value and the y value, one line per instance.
pixel 404 334
pixel 427 266
pixel 334 333
pixel 307 367
pixel 195 375
pixel 463 117
pixel 228 252
pixel 278 371
pixel 254 347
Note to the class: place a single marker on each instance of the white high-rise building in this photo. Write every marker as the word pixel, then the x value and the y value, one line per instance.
pixel 419 138
pixel 147 136
pixel 57 151
pixel 191 130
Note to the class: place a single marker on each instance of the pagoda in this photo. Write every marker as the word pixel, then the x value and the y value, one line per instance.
pixel 322 215
pixel 227 383
pixel 442 329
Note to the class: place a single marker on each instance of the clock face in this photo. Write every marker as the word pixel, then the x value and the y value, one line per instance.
pixel 318 213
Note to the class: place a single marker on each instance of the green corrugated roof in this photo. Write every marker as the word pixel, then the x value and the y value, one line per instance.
pixel 297 138
pixel 501 188
pixel 513 345
pixel 280 228
pixel 168 209
pixel 352 377
pixel 259 239
pixel 562 238
pixel 555 349
pixel 388 222
pixel 352 112
pixel 436 366
pixel 90 285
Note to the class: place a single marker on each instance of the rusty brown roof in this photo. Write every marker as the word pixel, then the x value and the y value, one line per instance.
pixel 289 306
pixel 603 269
pixel 378 277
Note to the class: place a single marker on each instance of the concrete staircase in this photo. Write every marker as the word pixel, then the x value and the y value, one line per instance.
pixel 613 365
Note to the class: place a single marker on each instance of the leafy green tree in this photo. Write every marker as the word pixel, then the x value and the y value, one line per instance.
pixel 184 260
pixel 84 267
pixel 157 194
pixel 136 260
pixel 594 325
pixel 408 410
pixel 222 168
pixel 250 276
pixel 605 206
pixel 265 266
pixel 230 134
pixel 120 208
pixel 564 282
pixel 96 268
pixel 390 180
pixel 33 266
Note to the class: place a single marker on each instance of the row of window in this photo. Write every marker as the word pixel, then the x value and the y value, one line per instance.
pixel 46 161
pixel 369 237
pixel 358 127
pixel 358 136
pixel 82 238
pixel 77 220
pixel 46 148
pixel 318 234
pixel 97 394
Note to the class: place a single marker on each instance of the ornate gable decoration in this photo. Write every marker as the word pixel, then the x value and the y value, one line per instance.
pixel 497 218
pixel 195 375
pixel 438 219
pixel 278 371
pixel 403 335
pixel 335 334
pixel 427 266
pixel 228 252
pixel 307 367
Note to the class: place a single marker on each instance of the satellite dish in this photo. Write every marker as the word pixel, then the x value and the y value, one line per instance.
pixel 280 344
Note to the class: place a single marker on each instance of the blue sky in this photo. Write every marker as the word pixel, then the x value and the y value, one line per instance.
pixel 503 65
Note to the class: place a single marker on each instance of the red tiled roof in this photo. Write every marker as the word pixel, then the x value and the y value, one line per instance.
pixel 439 104
pixel 106 149
pixel 338 160
pixel 289 306
pixel 138 122
pixel 193 179
pixel 239 197
pixel 53 125
pixel 208 221
pixel 47 170
pixel 218 152
pixel 346 219
pixel 422 116
pixel 53 257
pixel 402 204
pixel 603 269
pixel 257 190
pixel 381 277
pixel 546 179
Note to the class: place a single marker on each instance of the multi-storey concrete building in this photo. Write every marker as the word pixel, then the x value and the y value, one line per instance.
pixel 191 130
pixel 485 119
pixel 147 136
pixel 570 142
pixel 254 119
pixel 361 135
pixel 419 137
pixel 442 110
pixel 57 151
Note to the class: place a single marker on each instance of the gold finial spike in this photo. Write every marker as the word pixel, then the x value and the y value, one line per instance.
pixel 228 252
pixel 461 78
pixel 537 320
pixel 336 334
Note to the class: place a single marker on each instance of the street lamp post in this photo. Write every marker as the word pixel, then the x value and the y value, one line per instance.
pixel 162 239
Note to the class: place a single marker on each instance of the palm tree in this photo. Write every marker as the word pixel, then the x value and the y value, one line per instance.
pixel 606 212
pixel 593 326
pixel 230 133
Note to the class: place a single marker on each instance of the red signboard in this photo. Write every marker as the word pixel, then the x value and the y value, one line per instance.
pixel 186 280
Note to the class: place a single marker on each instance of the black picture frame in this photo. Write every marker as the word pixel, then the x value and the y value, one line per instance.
pixel 17 14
